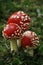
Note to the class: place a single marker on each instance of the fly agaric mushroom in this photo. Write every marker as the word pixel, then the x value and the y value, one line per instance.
pixel 29 41
pixel 22 19
pixel 12 31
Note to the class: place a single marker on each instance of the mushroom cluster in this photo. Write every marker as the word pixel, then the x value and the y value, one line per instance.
pixel 17 30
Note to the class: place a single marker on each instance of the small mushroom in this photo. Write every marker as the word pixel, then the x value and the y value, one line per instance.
pixel 22 19
pixel 29 41
pixel 12 31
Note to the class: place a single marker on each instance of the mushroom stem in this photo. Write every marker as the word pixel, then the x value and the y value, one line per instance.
pixel 19 42
pixel 13 45
pixel 31 52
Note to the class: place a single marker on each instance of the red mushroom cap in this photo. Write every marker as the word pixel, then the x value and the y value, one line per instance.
pixel 20 18
pixel 30 39
pixel 11 30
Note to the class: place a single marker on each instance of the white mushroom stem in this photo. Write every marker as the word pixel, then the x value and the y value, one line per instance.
pixel 19 42
pixel 29 50
pixel 13 45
